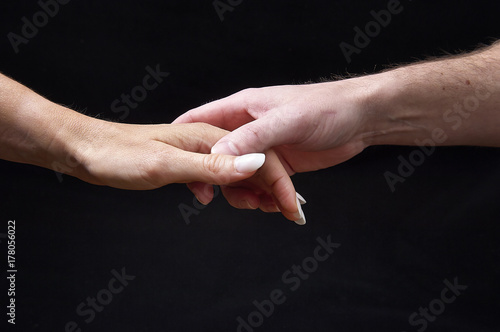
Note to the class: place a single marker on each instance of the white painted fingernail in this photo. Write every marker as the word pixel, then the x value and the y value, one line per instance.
pixel 225 148
pixel 301 199
pixel 249 162
pixel 301 218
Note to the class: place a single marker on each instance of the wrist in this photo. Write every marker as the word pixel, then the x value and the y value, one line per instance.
pixel 393 112
pixel 73 143
pixel 452 101
pixel 57 137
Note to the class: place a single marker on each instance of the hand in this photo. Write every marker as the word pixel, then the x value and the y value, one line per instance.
pixel 150 156
pixel 310 126
pixel 320 125
pixel 34 130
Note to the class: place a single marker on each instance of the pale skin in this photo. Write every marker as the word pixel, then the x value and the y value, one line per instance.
pixel 34 130
pixel 316 126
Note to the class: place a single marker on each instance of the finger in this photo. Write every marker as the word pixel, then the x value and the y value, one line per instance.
pixel 285 197
pixel 258 136
pixel 186 167
pixel 245 198
pixel 203 192
pixel 282 189
pixel 193 137
pixel 228 113
pixel 272 180
pixel 241 198
pixel 268 204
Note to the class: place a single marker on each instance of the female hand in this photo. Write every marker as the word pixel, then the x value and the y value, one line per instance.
pixel 150 156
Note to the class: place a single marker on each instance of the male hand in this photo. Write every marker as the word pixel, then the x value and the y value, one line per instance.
pixel 310 126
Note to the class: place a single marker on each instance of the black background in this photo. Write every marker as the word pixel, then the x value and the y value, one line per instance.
pixel 396 248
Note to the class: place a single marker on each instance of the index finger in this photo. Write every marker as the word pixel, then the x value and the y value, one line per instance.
pixel 228 113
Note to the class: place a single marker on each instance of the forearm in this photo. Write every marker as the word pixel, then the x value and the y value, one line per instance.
pixel 36 131
pixel 454 101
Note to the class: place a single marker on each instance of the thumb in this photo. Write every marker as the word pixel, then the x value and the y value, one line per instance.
pixel 216 168
pixel 256 136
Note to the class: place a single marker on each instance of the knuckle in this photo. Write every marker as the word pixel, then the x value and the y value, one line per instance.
pixel 254 135
pixel 186 118
pixel 215 164
pixel 248 94
pixel 205 127
pixel 248 91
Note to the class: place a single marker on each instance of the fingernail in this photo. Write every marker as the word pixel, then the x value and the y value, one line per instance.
pixel 301 199
pixel 249 206
pixel 300 216
pixel 249 162
pixel 202 202
pixel 275 208
pixel 225 148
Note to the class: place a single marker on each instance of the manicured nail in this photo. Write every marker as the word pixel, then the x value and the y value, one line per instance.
pixel 249 162
pixel 300 216
pixel 301 199
pixel 225 148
